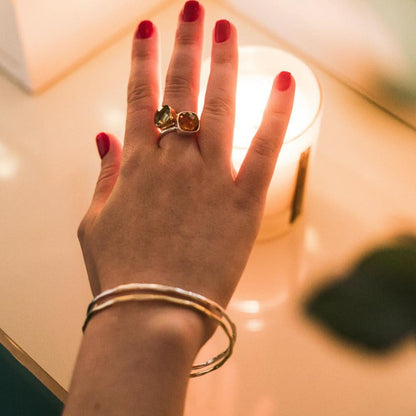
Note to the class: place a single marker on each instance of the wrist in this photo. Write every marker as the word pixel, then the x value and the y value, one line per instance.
pixel 127 351
pixel 174 327
pixel 166 323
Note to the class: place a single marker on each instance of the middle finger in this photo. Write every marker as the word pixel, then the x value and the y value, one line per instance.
pixel 182 79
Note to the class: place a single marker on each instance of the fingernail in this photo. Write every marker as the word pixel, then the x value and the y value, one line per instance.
pixel 222 31
pixel 284 79
pixel 190 11
pixel 144 30
pixel 103 144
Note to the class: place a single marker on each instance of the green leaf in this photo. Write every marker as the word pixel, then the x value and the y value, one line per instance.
pixel 374 304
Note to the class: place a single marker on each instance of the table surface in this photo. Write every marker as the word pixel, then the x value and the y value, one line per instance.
pixel 361 189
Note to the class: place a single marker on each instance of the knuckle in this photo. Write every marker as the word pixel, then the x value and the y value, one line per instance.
pixel 141 53
pixel 219 105
pixel 178 83
pixel 127 169
pixel 278 118
pixel 185 37
pixel 226 59
pixel 132 161
pixel 247 203
pixel 264 147
pixel 137 93
pixel 107 173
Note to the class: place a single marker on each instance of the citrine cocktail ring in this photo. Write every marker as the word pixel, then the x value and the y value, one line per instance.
pixel 167 120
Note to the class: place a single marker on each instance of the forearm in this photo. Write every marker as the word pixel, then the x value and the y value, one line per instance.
pixel 135 359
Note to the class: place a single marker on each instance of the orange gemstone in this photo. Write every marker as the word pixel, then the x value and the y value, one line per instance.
pixel 188 121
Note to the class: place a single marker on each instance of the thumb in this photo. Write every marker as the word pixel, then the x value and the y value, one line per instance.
pixel 109 149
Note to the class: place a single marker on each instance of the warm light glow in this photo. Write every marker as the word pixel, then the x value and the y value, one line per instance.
pixel 255 307
pixel 9 163
pixel 312 240
pixel 114 119
pixel 252 95
pixel 247 306
pixel 254 325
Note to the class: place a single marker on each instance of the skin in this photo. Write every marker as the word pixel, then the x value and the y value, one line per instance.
pixel 172 212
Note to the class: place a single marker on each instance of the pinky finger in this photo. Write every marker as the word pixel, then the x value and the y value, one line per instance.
pixel 257 169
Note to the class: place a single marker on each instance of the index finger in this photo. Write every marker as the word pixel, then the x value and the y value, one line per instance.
pixel 143 87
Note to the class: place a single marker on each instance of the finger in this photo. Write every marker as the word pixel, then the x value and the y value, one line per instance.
pixel 258 166
pixel 143 87
pixel 217 120
pixel 109 149
pixel 182 78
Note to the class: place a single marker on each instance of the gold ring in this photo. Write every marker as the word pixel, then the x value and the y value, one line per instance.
pixel 167 120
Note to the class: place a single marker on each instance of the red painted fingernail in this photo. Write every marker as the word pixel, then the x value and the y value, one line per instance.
pixel 144 30
pixel 284 79
pixel 103 144
pixel 222 31
pixel 190 11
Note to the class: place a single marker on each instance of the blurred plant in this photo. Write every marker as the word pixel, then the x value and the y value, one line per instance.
pixel 374 304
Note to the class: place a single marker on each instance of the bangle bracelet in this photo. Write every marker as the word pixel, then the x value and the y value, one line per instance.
pixel 154 292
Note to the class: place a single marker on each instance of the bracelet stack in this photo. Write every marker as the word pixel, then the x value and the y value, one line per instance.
pixel 155 292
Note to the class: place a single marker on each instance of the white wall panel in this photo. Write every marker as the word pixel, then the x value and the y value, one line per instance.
pixel 369 44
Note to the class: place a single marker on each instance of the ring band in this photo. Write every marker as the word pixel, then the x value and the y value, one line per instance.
pixel 167 120
pixel 167 130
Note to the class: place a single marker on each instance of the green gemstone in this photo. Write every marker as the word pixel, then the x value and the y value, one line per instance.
pixel 165 117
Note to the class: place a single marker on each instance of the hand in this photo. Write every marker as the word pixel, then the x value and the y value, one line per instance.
pixel 170 211
pixel 174 211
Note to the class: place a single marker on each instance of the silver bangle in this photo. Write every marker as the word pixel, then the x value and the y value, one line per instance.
pixel 155 292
